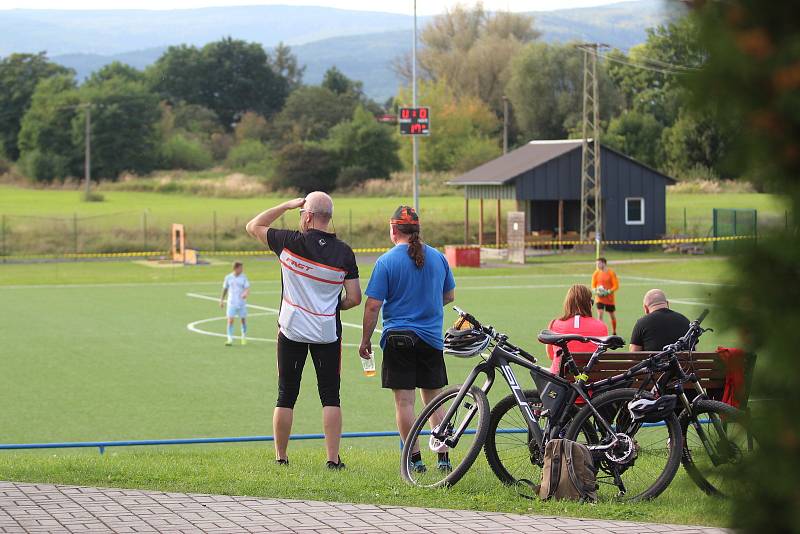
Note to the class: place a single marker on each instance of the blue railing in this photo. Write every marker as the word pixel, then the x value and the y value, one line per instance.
pixel 102 445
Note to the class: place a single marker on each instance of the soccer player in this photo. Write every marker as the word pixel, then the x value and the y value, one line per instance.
pixel 604 286
pixel 236 287
pixel 316 268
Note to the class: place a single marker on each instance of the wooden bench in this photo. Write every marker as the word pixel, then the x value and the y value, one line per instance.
pixel 708 366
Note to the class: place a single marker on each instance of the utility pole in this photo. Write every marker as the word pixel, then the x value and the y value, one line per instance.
pixel 505 124
pixel 591 195
pixel 87 163
pixel 415 147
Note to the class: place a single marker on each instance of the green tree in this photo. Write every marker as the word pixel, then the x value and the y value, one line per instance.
pixel 47 149
pixel 335 81
pixel 125 116
pixel 285 64
pixel 251 126
pixel 229 77
pixel 554 74
pixel 638 135
pixel 695 139
pixel 306 168
pixel 471 49
pixel 115 69
pixel 19 75
pixel 461 127
pixel 365 143
pixel 752 75
pixel 310 113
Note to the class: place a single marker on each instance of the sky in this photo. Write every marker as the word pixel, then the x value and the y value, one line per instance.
pixel 424 7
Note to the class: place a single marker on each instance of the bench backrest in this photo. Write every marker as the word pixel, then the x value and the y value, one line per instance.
pixel 708 366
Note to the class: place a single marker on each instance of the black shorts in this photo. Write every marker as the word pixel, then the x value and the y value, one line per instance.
pixel 420 366
pixel 611 308
pixel 327 360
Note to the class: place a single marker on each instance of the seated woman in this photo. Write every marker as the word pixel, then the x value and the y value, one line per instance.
pixel 576 319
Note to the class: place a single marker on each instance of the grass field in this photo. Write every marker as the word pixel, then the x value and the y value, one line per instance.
pixel 41 221
pixel 127 351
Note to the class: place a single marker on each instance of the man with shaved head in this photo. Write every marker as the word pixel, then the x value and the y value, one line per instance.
pixel 319 278
pixel 660 326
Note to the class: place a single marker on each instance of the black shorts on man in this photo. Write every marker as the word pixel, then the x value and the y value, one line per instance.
pixel 409 362
pixel 314 266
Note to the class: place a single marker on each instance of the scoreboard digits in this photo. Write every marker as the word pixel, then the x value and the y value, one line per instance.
pixel 414 121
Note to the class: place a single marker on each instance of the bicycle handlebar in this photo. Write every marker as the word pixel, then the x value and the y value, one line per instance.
pixel 498 337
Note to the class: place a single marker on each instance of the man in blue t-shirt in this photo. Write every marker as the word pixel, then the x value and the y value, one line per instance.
pixel 412 283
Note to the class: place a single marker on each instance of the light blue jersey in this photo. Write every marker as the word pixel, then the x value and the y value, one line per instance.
pixel 236 286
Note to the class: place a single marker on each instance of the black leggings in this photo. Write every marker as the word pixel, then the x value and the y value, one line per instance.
pixel 327 360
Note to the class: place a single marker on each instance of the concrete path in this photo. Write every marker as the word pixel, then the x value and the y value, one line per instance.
pixel 48 508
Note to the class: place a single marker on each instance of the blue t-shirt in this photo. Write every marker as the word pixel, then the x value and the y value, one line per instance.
pixel 412 298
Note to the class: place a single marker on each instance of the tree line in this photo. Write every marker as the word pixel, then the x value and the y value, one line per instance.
pixel 234 104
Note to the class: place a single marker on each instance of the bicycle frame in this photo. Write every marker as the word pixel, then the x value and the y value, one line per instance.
pixel 502 358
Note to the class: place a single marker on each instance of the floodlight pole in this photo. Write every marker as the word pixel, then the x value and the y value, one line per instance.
pixel 87 171
pixel 415 147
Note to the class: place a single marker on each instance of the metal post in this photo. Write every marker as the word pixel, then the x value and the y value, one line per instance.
pixel 3 237
pixel 685 225
pixel 497 225
pixel 466 218
pixel 505 124
pixel 480 224
pixel 87 164
pixel 415 146
pixel 350 224
pixel 75 232
pixel 214 233
pixel 144 230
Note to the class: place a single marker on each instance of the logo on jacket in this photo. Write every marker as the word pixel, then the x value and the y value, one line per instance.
pixel 322 242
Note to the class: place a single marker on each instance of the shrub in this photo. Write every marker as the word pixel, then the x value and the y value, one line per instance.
pixel 220 145
pixel 352 176
pixel 45 166
pixel 93 196
pixel 251 126
pixel 306 168
pixel 475 151
pixel 251 157
pixel 180 152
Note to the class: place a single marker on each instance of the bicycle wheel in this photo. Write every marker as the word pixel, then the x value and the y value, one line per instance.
pixel 716 441
pixel 471 416
pixel 510 449
pixel 645 460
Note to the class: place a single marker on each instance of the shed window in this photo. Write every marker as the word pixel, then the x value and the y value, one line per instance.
pixel 634 211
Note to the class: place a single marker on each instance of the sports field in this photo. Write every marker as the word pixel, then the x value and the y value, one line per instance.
pixel 107 351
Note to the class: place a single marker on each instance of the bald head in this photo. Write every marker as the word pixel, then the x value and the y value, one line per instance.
pixel 655 299
pixel 320 204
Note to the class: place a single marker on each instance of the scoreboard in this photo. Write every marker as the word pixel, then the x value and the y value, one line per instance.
pixel 414 121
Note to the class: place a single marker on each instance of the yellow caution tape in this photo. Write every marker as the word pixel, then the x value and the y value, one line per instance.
pixel 372 250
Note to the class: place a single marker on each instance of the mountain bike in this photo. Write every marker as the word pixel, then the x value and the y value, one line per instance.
pixel 623 427
pixel 716 435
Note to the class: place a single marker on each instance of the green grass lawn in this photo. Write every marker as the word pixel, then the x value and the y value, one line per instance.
pixel 42 220
pixel 103 351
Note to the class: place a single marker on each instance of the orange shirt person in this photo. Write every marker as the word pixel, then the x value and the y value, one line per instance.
pixel 604 287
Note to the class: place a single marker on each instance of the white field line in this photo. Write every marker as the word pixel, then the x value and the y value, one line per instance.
pixel 192 327
pixel 530 286
pixel 264 308
pixel 692 302
pixel 668 281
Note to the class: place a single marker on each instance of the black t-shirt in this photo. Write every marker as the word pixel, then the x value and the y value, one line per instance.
pixel 315 245
pixel 658 329
pixel 314 267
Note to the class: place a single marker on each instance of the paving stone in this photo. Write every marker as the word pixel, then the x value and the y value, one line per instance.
pixel 70 509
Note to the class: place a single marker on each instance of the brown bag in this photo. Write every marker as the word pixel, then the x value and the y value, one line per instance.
pixel 569 472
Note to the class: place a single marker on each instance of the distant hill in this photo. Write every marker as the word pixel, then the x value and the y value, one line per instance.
pixel 361 44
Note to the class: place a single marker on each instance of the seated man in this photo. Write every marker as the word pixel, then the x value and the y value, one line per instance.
pixel 660 326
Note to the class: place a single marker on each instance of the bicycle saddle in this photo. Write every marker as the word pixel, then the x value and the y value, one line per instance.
pixel 549 337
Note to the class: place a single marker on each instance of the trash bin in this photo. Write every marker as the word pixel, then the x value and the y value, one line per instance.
pixel 463 256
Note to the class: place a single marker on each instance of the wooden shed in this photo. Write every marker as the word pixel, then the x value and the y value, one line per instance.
pixel 544 178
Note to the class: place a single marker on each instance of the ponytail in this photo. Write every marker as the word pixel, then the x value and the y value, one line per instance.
pixel 416 248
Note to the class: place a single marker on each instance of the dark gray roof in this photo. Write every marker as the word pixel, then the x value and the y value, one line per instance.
pixel 502 170
pixel 507 167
